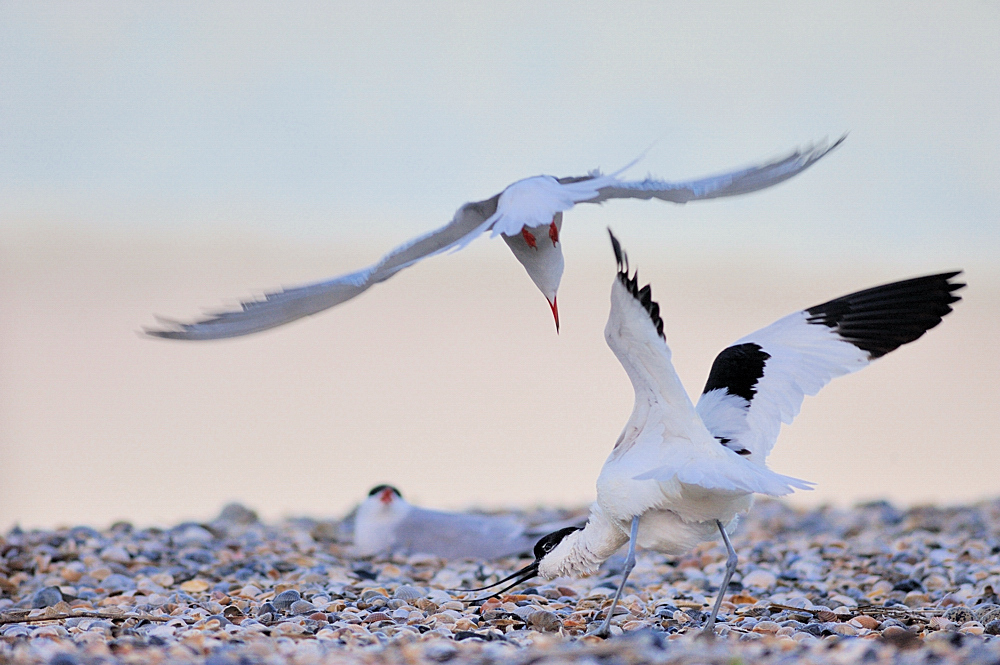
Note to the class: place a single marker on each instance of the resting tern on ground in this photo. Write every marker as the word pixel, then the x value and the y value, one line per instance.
pixel 680 474
pixel 527 214
pixel 385 522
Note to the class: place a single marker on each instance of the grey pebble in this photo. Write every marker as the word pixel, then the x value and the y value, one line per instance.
pixel 407 592
pixel 117 582
pixel 301 607
pixel 46 597
pixel 988 615
pixel 959 614
pixel 441 651
pixel 992 628
pixel 283 601
pixel 16 630
pixel 545 620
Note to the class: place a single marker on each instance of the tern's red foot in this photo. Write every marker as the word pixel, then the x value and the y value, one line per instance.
pixel 529 237
pixel 553 233
pixel 555 311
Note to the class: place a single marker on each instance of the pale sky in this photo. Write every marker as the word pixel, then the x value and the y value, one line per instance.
pixel 162 158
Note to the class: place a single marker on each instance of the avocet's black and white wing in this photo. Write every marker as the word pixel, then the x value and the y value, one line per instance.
pixel 734 183
pixel 759 382
pixel 287 305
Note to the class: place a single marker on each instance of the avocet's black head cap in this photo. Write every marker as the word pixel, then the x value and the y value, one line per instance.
pixel 544 545
pixel 631 284
pixel 548 542
pixel 379 488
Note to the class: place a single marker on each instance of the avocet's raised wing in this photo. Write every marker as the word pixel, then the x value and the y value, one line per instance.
pixel 759 382
pixel 664 438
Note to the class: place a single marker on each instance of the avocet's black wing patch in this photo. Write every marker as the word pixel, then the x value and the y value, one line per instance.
pixel 737 369
pixel 759 382
pixel 882 319
pixel 643 295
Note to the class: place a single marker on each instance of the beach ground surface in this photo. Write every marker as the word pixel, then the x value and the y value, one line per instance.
pixel 869 584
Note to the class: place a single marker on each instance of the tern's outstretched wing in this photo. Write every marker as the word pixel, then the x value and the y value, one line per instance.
pixel 760 381
pixel 288 305
pixel 725 184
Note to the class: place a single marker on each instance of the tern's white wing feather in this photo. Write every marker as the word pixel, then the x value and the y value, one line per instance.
pixel 288 305
pixel 759 382
pixel 742 181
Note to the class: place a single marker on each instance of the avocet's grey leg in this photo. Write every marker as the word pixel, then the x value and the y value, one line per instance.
pixel 730 569
pixel 605 628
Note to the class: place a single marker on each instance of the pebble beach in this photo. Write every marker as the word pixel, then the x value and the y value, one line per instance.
pixel 872 584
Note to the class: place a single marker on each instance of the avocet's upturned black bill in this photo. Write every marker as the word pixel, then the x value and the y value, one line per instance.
pixel 527 214
pixel 544 545
pixel 681 474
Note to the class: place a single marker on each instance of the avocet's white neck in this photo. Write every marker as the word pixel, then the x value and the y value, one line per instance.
pixel 582 552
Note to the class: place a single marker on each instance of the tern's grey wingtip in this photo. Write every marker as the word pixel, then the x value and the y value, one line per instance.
pixel 163 334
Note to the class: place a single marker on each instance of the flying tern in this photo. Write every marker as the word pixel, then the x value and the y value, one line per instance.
pixel 681 474
pixel 386 522
pixel 528 215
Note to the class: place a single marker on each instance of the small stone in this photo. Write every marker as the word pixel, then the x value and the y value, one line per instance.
pixel 917 599
pixel 407 592
pixel 843 601
pixel 988 615
pixel 767 627
pixel 100 573
pixel 234 513
pixel 992 628
pixel 900 637
pixel 972 628
pixel 545 620
pixel 116 554
pixel 165 580
pixel 283 601
pixel 844 629
pixel 440 651
pixel 959 614
pixel 195 586
pixel 301 607
pixel 864 621
pixel 46 597
pixel 376 616
pixel 249 591
pixel 760 579
pixel 72 572
pixel 289 628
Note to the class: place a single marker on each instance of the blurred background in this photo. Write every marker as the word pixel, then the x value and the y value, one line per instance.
pixel 166 158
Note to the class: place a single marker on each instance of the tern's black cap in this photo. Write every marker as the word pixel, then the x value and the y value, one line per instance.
pixel 379 488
